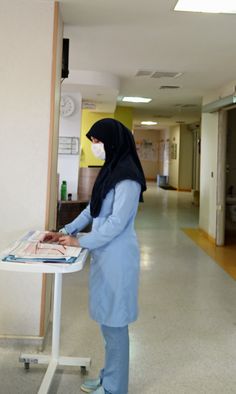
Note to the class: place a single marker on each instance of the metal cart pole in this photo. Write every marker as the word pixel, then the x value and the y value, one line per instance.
pixel 54 359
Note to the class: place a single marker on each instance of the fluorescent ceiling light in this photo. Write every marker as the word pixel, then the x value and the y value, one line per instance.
pixel 137 99
pixel 213 6
pixel 148 123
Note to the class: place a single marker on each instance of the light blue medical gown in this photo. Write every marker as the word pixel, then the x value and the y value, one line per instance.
pixel 114 269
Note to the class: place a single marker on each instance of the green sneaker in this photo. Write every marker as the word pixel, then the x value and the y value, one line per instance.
pixel 90 385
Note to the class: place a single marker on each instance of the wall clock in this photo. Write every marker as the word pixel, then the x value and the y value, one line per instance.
pixel 67 106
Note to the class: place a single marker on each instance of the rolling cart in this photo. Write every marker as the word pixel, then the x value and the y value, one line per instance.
pixel 54 359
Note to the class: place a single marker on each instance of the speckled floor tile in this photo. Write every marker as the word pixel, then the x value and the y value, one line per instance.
pixel 184 341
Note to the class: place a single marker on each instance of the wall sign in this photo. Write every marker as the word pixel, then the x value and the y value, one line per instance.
pixel 147 150
pixel 173 151
pixel 68 146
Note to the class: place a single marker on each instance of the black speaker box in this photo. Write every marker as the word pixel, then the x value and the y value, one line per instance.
pixel 65 58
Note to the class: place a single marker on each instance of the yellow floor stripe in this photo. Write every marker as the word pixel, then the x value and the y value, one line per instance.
pixel 225 256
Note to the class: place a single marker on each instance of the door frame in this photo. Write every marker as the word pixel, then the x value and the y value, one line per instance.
pixel 221 177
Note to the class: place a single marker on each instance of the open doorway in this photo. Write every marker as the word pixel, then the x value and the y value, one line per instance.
pixel 230 181
pixel 226 179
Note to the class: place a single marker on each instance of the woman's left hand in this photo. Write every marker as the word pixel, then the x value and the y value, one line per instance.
pixel 67 240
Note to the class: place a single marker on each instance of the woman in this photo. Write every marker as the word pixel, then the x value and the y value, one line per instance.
pixel 114 271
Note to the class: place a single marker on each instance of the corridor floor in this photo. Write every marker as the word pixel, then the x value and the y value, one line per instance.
pixel 185 339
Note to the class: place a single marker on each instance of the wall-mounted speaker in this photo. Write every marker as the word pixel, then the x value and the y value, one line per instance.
pixel 65 58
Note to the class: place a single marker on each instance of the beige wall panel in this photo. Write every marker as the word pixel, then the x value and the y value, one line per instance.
pixel 24 146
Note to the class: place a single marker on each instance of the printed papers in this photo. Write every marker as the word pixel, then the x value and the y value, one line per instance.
pixel 32 249
pixel 44 251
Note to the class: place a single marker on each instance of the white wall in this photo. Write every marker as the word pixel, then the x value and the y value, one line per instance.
pixel 180 168
pixel 26 47
pixel 174 163
pixel 157 137
pixel 185 158
pixel 68 165
pixel 208 171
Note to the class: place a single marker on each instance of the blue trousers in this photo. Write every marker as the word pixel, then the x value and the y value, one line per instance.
pixel 115 374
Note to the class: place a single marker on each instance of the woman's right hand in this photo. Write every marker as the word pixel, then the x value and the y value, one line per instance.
pixel 51 237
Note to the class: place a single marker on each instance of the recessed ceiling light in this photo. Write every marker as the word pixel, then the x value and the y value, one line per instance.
pixel 137 99
pixel 166 74
pixel 148 123
pixel 216 6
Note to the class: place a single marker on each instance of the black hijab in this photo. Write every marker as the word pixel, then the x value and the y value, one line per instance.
pixel 122 161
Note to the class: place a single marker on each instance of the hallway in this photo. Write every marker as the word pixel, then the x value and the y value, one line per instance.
pixel 186 306
pixel 185 339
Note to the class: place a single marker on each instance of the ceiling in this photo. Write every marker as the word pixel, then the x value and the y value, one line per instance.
pixel 123 37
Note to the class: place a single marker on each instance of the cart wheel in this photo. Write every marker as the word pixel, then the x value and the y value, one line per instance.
pixel 83 370
pixel 27 365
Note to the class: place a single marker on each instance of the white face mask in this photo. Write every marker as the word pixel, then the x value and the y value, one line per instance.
pixel 98 150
